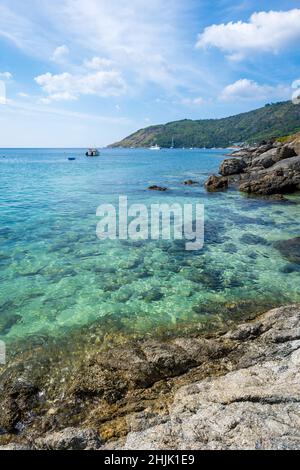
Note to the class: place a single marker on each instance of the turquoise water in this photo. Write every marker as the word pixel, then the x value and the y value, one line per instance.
pixel 56 275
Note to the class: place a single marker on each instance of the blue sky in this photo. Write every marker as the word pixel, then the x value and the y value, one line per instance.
pixel 89 72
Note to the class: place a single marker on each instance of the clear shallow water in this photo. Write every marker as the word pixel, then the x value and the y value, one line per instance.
pixel 56 275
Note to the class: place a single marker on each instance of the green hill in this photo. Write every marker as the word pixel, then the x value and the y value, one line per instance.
pixel 273 120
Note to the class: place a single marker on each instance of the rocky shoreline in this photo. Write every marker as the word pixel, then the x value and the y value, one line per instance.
pixel 233 389
pixel 270 169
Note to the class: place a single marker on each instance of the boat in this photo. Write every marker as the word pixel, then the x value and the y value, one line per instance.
pixel 155 147
pixel 92 152
pixel 172 146
pixel 71 159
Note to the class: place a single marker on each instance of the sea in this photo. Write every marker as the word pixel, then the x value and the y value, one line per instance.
pixel 57 276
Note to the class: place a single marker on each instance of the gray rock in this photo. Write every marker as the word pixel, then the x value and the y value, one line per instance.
pixel 216 183
pixel 70 439
pixel 236 388
pixel 254 406
pixel 266 159
pixel 10 447
pixel 280 178
pixel 232 166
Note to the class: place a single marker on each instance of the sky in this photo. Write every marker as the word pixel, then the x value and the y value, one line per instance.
pixel 80 73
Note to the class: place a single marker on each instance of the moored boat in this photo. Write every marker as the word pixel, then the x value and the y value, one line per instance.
pixel 155 147
pixel 92 152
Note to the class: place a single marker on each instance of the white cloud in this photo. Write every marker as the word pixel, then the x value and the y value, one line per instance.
pixel 60 53
pixel 66 87
pixel 23 95
pixel 5 76
pixel 131 34
pixel 198 101
pixel 146 46
pixel 245 89
pixel 97 63
pixel 265 31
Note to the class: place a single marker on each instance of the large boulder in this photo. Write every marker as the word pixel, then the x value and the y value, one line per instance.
pixel 232 166
pixel 283 177
pixel 272 156
pixel 266 159
pixel 253 405
pixel 295 144
pixel 216 183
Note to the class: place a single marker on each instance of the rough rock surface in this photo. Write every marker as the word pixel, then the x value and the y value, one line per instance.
pixel 271 168
pixel 232 166
pixel 70 439
pixel 234 389
pixel 255 406
pixel 283 177
pixel 216 183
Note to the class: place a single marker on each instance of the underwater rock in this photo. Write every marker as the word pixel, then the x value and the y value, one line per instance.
pixel 8 320
pixel 157 188
pixel 251 239
pixel 20 395
pixel 290 249
pixel 290 268
pixel 190 183
pixel 152 295
pixel 230 248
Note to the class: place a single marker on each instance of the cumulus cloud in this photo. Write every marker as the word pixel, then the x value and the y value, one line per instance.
pixel 60 53
pixel 5 75
pixel 66 86
pixel 245 89
pixel 265 31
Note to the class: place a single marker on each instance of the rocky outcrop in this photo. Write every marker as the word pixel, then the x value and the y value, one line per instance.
pixel 233 389
pixel 232 166
pixel 256 405
pixel 216 183
pixel 271 168
pixel 70 439
pixel 283 177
